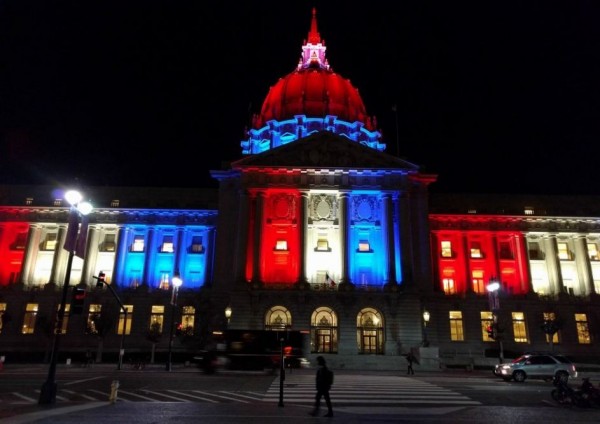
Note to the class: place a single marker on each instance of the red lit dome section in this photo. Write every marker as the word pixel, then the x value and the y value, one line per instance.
pixel 314 90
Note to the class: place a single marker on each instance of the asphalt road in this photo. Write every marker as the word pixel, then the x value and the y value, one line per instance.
pixel 186 395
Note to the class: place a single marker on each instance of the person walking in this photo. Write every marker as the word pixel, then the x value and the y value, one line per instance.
pixel 410 358
pixel 88 359
pixel 324 381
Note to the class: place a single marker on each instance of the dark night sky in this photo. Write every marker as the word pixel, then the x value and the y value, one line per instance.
pixel 499 97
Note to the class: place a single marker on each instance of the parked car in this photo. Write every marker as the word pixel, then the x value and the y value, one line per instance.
pixel 537 366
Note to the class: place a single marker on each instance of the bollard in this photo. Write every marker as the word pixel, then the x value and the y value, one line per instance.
pixel 113 391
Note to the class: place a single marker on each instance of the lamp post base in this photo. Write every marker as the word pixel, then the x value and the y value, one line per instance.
pixel 48 393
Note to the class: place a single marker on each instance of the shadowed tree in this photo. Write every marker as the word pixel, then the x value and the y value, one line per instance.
pixel 99 325
pixel 154 335
pixel 45 326
pixel 550 327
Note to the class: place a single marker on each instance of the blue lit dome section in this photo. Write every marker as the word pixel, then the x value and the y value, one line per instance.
pixel 310 99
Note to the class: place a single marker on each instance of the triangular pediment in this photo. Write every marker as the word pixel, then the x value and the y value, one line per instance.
pixel 325 150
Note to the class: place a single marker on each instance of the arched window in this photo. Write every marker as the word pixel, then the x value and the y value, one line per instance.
pixel 369 331
pixel 324 331
pixel 278 318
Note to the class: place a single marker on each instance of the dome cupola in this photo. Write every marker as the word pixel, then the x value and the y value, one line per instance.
pixel 310 99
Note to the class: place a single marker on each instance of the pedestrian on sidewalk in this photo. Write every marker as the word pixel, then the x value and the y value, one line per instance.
pixel 324 382
pixel 410 358
pixel 88 359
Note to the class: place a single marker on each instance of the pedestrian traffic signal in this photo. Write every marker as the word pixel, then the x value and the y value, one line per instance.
pixel 77 301
pixel 100 279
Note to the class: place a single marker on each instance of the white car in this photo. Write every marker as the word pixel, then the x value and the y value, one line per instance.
pixel 537 366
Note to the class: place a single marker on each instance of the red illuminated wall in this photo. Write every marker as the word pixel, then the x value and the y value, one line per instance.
pixel 503 256
pixel 12 250
pixel 281 221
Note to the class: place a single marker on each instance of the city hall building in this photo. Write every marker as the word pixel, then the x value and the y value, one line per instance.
pixel 315 229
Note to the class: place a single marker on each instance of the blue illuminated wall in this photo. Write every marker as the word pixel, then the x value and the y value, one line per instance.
pixel 367 252
pixel 151 255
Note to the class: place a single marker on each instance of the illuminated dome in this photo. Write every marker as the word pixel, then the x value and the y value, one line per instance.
pixel 313 89
pixel 311 98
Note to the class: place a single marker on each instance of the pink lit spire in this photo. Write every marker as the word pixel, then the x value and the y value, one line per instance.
pixel 313 50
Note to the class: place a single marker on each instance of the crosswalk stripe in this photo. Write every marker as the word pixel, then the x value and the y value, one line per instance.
pixel 218 396
pixel 136 395
pixel 83 395
pixel 370 390
pixel 17 394
pixel 178 399
pixel 192 396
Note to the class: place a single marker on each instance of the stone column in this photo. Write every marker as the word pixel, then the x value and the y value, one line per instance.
pixel 258 228
pixel 343 211
pixel 31 251
pixel 120 257
pixel 150 253
pixel 390 246
pixel 59 261
pixel 91 249
pixel 553 264
pixel 584 268
pixel 302 224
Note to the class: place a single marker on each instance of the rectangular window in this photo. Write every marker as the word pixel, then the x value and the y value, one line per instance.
pixel 20 242
pixel 583 330
pixel 93 319
pixel 187 320
pixel 57 202
pixel 487 319
pixel 364 246
pixel 505 250
pixel 138 244
pixel 108 245
pixel 167 245
pixel 157 319
pixel 535 252
pixel 50 242
pixel 449 287
pixel 136 278
pixel 281 245
pixel 2 312
pixel 31 310
pixel 456 326
pixel 476 250
pixel 593 252
pixel 550 316
pixel 519 327
pixel 114 203
pixel 164 281
pixel 478 283
pixel 122 320
pixel 563 251
pixel 446 249
pixel 197 245
pixel 322 245
pixel 29 201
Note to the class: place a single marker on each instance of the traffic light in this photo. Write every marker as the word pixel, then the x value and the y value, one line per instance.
pixel 178 329
pixel 490 331
pixel 100 279
pixel 78 300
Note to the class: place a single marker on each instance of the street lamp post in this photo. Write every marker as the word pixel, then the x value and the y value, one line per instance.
pixel 493 289
pixel 426 317
pixel 77 209
pixel 177 282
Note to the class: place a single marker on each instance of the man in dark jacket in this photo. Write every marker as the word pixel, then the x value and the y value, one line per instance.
pixel 323 386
